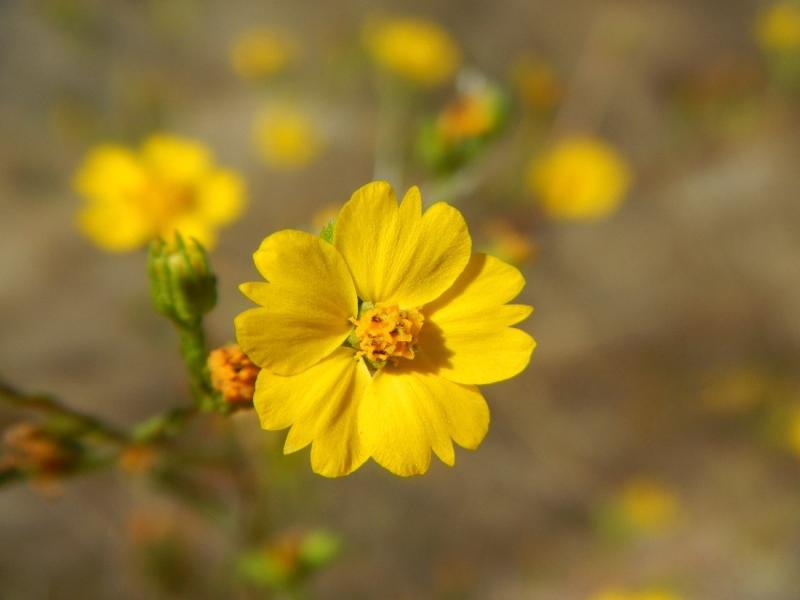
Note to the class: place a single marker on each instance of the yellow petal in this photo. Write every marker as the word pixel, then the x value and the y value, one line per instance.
pixel 306 306
pixel 110 173
pixel 395 253
pixel 220 196
pixel 467 333
pixel 175 159
pixel 406 413
pixel 116 226
pixel 321 406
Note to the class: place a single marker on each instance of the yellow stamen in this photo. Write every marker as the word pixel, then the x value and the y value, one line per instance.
pixel 387 332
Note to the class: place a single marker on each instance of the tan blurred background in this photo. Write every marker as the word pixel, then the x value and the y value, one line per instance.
pixel 695 279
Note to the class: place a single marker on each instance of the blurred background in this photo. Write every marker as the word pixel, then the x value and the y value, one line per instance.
pixel 651 449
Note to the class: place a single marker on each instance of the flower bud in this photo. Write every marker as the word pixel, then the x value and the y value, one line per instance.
pixel 182 285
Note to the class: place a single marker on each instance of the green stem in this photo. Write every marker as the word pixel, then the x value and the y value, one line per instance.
pixel 194 353
pixel 48 405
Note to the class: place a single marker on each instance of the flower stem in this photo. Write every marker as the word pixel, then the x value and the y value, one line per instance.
pixel 194 353
pixel 48 405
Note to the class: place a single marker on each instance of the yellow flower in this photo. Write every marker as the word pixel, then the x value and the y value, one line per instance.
pixel 373 345
pixel 260 53
pixel 170 185
pixel 508 243
pixel 417 50
pixel 793 436
pixel 647 594
pixel 648 505
pixel 778 27
pixel 287 137
pixel 537 84
pixel 580 178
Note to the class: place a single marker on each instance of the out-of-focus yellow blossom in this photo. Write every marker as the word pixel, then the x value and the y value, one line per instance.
pixel 793 432
pixel 262 52
pixel 287 137
pixel 170 185
pixel 579 178
pixel 537 84
pixel 508 243
pixel 778 27
pixel 461 129
pixel 647 505
pixel 415 49
pixel 373 344
pixel 647 594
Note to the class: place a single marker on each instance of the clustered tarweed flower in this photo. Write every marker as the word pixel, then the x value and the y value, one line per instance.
pixel 373 344
pixel 579 178
pixel 261 53
pixel 233 375
pixel 170 185
pixel 286 137
pixel 414 49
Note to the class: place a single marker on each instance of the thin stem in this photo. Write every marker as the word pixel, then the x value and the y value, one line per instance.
pixel 48 405
pixel 194 353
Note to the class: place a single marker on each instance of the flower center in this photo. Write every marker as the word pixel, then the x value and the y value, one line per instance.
pixel 386 332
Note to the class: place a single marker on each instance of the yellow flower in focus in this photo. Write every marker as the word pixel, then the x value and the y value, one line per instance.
pixel 648 506
pixel 260 53
pixel 287 137
pixel 170 185
pixel 537 84
pixel 778 27
pixel 579 178
pixel 373 345
pixel 417 50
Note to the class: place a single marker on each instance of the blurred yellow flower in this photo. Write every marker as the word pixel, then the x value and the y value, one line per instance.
pixel 471 115
pixel 793 437
pixel 287 137
pixel 647 594
pixel 537 84
pixel 508 243
pixel 262 52
pixel 647 505
pixel 417 50
pixel 373 345
pixel 579 178
pixel 778 27
pixel 170 185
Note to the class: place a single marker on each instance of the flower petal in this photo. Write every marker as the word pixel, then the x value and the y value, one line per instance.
pixel 467 333
pixel 406 412
pixel 306 306
pixel 397 254
pixel 175 159
pixel 321 405
pixel 220 196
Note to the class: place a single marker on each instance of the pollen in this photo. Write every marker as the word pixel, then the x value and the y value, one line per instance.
pixel 387 332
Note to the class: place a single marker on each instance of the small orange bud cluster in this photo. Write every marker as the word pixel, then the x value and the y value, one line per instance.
pixel 29 448
pixel 233 374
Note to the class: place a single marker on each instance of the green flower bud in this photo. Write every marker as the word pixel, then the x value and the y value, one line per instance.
pixel 182 285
